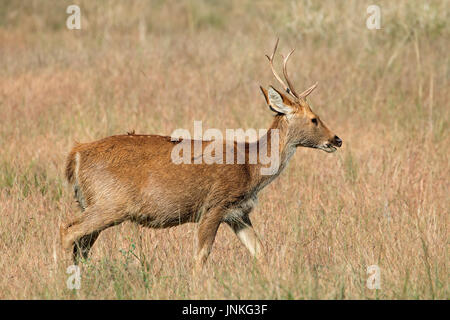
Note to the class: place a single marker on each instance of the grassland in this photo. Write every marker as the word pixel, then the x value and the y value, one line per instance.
pixel 382 199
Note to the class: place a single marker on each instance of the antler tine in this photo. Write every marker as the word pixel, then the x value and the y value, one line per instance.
pixel 305 93
pixel 286 88
pixel 291 87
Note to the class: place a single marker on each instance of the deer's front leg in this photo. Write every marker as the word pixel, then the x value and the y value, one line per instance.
pixel 247 235
pixel 206 234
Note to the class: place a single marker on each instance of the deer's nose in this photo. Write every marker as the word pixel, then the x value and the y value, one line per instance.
pixel 337 141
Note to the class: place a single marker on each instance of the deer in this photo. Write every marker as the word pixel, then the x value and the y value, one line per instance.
pixel 131 177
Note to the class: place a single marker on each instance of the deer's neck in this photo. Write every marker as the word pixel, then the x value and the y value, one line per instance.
pixel 279 151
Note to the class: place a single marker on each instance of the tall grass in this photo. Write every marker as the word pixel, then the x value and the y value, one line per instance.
pixel 156 66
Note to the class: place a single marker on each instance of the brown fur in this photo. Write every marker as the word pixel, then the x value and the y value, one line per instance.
pixel 132 177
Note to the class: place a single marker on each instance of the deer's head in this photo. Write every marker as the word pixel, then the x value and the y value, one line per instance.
pixel 304 127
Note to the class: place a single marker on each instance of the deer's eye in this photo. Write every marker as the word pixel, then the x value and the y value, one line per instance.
pixel 314 120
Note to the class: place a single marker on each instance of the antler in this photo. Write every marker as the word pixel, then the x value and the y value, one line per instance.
pixel 289 88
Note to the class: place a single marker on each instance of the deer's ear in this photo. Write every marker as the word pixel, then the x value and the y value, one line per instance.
pixel 277 101
pixel 264 92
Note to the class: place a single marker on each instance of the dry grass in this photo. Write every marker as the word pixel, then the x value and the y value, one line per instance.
pixel 154 67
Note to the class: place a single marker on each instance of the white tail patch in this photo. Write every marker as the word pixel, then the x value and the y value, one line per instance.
pixel 76 186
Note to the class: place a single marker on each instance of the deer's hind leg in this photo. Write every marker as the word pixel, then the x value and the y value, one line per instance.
pixel 82 246
pixel 80 233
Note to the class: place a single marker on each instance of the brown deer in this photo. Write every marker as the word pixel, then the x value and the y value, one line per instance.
pixel 132 177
